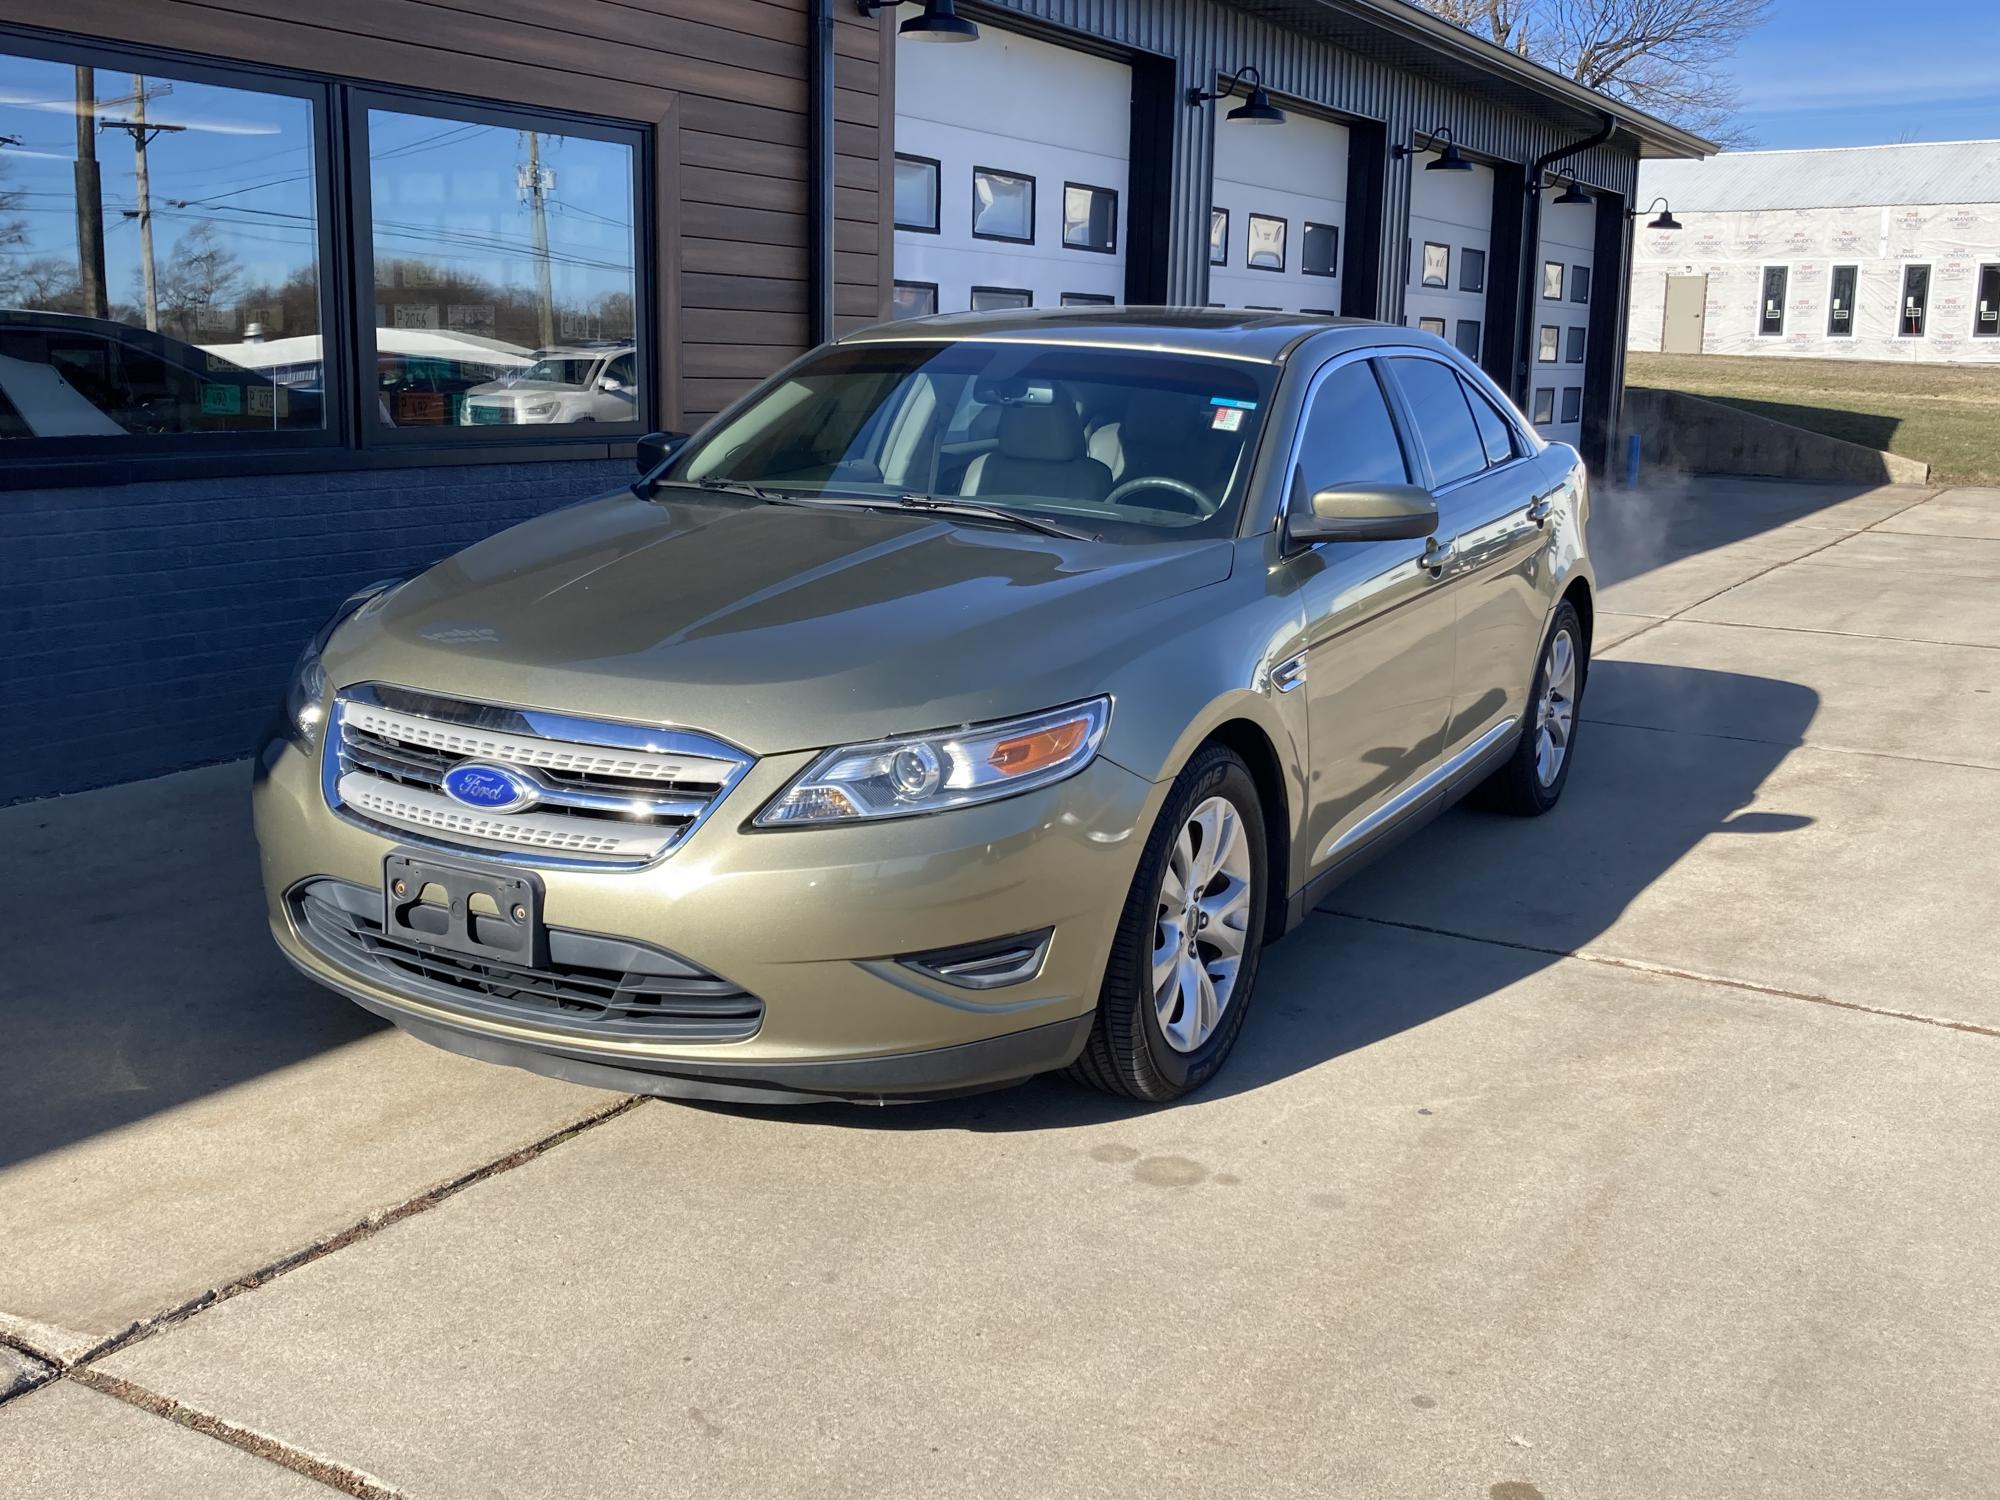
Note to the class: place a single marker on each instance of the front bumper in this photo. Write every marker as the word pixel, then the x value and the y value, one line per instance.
pixel 807 920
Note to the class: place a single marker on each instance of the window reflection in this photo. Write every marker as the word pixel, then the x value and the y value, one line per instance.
pixel 505 288
pixel 158 256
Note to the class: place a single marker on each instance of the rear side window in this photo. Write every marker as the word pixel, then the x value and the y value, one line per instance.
pixel 1348 437
pixel 1494 433
pixel 1444 421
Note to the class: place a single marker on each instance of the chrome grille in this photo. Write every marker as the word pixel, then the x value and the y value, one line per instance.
pixel 605 792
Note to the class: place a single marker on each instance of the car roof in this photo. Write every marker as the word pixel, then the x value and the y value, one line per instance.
pixel 1265 337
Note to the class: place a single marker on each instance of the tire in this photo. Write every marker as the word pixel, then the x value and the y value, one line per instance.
pixel 1524 785
pixel 1133 1050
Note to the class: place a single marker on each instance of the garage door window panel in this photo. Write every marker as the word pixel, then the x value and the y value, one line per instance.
pixel 917 179
pixel 1545 405
pixel 1573 347
pixel 1001 298
pixel 1437 405
pixel 1218 236
pixel 915 299
pixel 1319 254
pixel 1579 283
pixel 1552 281
pixel 1088 299
pixel 1472 270
pixel 1003 206
pixel 1090 218
pixel 1466 337
pixel 1266 245
pixel 1572 403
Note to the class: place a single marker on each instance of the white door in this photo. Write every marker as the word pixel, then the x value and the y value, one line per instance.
pixel 1451 235
pixel 1561 331
pixel 1011 175
pixel 1277 230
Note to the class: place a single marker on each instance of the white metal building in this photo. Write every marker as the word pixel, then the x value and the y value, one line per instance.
pixel 1866 252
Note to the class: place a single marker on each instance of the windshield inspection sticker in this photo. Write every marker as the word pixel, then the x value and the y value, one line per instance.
pixel 1227 419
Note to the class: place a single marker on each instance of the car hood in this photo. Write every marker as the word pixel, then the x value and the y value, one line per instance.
pixel 775 627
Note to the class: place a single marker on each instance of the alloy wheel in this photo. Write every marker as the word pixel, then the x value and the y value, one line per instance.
pixel 1202 924
pixel 1555 716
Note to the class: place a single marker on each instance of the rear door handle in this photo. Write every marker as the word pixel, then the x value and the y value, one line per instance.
pixel 1435 557
pixel 1542 508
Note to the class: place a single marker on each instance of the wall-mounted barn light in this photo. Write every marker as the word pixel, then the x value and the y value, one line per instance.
pixel 940 21
pixel 1257 108
pixel 1572 196
pixel 1451 159
pixel 1666 220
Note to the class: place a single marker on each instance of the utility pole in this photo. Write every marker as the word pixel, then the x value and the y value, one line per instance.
pixel 142 134
pixel 536 183
pixel 89 200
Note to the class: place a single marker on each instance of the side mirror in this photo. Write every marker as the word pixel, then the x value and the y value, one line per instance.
pixel 1364 513
pixel 655 448
pixel 611 384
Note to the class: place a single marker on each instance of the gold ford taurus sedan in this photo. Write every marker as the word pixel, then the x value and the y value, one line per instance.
pixel 978 697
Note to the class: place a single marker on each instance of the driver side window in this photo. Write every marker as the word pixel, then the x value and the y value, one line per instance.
pixel 1347 436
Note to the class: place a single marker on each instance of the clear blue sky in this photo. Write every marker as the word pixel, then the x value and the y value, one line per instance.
pixel 1863 73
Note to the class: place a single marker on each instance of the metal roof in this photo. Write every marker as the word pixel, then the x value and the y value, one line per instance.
pixel 1837 177
pixel 1405 36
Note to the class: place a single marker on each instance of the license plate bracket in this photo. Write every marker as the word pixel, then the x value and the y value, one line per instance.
pixel 491 915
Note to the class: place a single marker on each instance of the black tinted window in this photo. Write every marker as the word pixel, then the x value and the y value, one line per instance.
pixel 1444 421
pixel 1494 433
pixel 1348 437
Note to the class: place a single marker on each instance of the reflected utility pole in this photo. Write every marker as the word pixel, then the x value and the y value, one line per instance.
pixel 142 135
pixel 535 182
pixel 89 200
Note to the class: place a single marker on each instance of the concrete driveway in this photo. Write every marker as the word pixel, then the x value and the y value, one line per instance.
pixel 1648 1150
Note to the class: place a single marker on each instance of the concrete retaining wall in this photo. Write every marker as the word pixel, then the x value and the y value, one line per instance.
pixel 1705 437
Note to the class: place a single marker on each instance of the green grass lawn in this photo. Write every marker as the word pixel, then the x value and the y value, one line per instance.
pixel 1946 415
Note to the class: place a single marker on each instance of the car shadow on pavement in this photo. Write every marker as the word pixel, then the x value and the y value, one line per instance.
pixel 1512 896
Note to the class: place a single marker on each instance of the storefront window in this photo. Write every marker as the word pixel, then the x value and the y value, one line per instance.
pixel 504 275
pixel 159 256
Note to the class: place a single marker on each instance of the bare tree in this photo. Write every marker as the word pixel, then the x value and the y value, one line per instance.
pixel 1662 56
pixel 203 275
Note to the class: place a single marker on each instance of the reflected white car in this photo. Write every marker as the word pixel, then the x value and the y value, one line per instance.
pixel 581 384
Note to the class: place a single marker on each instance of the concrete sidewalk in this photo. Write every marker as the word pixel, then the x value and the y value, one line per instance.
pixel 1643 1151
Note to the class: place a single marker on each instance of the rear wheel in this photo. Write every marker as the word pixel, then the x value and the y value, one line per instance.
pixel 1185 957
pixel 1532 780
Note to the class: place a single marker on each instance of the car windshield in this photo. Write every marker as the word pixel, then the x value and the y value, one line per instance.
pixel 552 370
pixel 1125 443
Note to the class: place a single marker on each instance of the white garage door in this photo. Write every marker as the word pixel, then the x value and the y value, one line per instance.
pixel 1451 235
pixel 1011 168
pixel 1279 214
pixel 1563 289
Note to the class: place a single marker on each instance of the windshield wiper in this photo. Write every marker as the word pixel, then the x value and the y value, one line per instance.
pixel 973 509
pixel 739 487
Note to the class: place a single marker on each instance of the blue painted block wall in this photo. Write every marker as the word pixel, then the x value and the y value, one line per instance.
pixel 149 627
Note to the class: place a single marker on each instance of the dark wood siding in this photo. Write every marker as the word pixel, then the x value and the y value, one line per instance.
pixel 722 84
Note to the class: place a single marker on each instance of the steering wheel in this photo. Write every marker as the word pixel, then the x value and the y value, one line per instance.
pixel 1203 506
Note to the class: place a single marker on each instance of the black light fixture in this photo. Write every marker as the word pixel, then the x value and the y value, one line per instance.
pixel 1666 219
pixel 1451 159
pixel 1256 108
pixel 940 21
pixel 1572 196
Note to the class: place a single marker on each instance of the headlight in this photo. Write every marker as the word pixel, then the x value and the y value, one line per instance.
pixel 305 696
pixel 540 410
pixel 924 773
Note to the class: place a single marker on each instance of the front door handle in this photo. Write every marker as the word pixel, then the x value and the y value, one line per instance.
pixel 1542 508
pixel 1435 556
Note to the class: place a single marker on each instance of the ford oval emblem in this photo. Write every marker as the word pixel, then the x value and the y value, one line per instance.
pixel 489 788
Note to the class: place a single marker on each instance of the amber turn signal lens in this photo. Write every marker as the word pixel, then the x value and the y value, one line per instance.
pixel 1045 747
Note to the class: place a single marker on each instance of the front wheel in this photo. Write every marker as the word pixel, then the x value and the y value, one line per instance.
pixel 1532 780
pixel 1185 957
